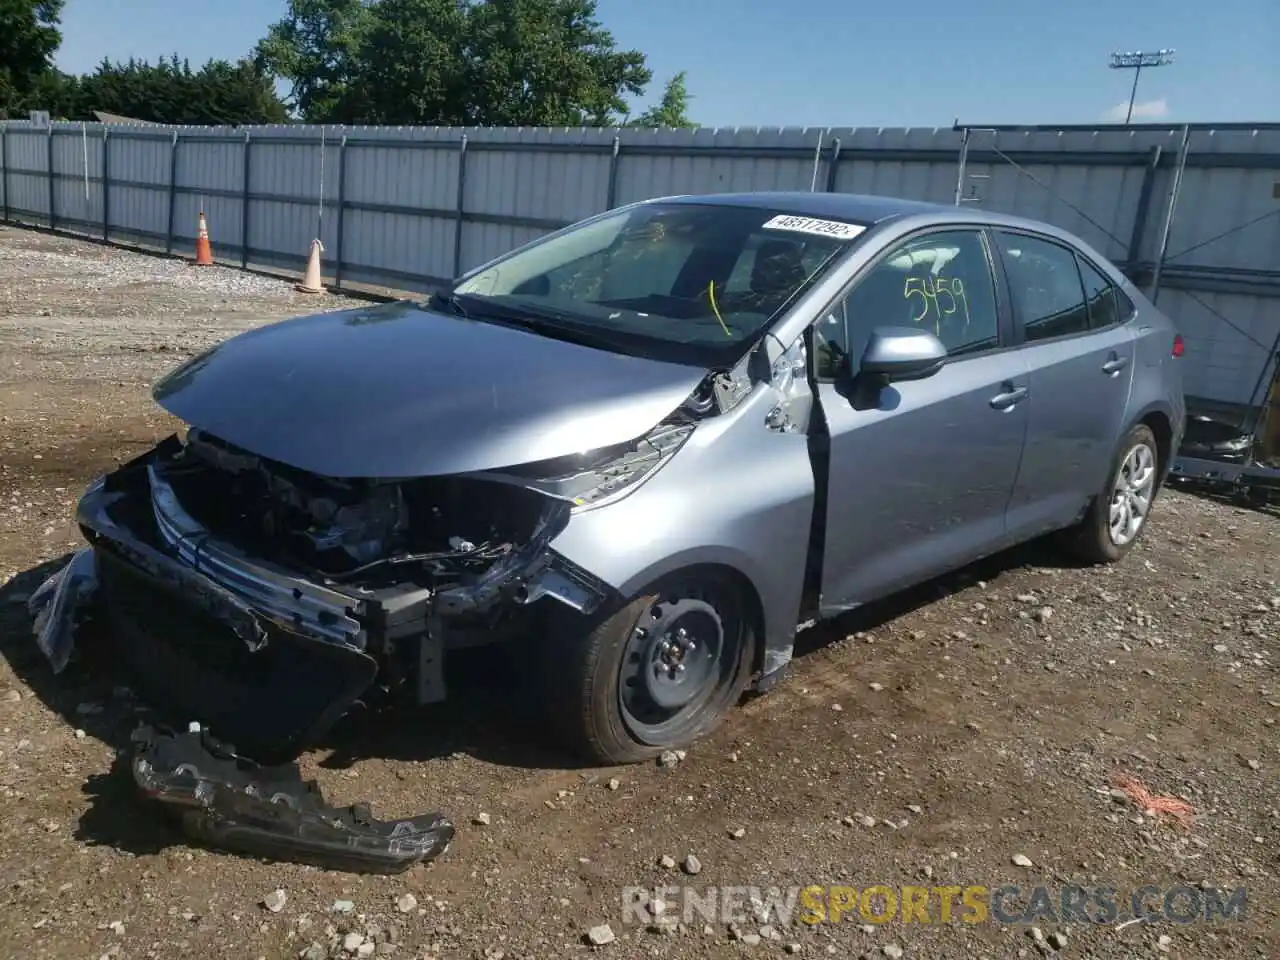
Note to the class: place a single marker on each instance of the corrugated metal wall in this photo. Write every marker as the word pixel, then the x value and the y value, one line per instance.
pixel 408 207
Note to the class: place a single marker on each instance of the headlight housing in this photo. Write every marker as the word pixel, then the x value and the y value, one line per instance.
pixel 601 476
pixel 592 479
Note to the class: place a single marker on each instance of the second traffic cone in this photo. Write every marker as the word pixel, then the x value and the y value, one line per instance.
pixel 204 251
pixel 311 282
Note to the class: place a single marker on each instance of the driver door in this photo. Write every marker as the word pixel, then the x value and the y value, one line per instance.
pixel 919 479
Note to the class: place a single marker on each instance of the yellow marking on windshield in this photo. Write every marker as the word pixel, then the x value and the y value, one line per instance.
pixel 711 295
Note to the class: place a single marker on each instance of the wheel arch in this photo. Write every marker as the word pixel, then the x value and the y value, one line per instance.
pixel 1159 421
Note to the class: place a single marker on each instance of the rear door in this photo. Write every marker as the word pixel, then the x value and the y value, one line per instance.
pixel 917 483
pixel 1080 360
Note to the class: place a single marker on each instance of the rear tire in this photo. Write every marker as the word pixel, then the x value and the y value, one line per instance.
pixel 657 674
pixel 1119 513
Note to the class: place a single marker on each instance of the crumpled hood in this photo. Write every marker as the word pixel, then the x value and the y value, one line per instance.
pixel 401 391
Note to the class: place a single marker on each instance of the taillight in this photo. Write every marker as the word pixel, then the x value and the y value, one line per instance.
pixel 1179 345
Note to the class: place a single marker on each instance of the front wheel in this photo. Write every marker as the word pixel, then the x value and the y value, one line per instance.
pixel 655 675
pixel 1119 513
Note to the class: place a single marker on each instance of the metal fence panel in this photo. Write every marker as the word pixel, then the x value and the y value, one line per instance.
pixel 409 207
pixel 1229 359
pixel 27 166
pixel 669 162
pixel 1219 202
pixel 76 155
pixel 138 192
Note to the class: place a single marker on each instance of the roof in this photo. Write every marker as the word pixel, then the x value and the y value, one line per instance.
pixel 869 210
pixel 855 207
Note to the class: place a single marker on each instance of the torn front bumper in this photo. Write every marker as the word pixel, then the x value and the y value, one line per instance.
pixel 194 649
pixel 266 659
pixel 56 605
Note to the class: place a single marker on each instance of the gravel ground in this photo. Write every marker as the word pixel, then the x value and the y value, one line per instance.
pixel 967 733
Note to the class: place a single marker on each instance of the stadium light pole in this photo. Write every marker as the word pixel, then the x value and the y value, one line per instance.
pixel 1135 61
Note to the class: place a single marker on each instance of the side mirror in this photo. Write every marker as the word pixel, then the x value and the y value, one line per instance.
pixel 902 353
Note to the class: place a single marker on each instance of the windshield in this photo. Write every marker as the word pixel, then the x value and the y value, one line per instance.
pixel 701 280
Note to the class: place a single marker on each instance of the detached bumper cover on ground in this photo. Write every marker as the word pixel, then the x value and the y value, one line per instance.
pixel 227 802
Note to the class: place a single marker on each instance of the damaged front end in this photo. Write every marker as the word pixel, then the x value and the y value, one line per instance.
pixel 264 602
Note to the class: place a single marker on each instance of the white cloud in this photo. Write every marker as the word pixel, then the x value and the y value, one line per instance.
pixel 1142 110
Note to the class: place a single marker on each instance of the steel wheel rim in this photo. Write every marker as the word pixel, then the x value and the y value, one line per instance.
pixel 681 653
pixel 1131 494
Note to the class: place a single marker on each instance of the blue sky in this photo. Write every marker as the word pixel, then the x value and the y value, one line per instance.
pixel 845 62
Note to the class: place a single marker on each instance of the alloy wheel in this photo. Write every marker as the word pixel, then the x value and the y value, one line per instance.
pixel 1131 494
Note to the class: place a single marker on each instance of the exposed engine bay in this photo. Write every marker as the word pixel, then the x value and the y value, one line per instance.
pixel 432 531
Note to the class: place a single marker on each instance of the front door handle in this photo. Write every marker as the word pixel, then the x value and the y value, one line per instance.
pixel 1009 399
pixel 1114 365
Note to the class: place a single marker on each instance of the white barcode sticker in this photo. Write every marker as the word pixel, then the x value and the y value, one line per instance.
pixel 823 228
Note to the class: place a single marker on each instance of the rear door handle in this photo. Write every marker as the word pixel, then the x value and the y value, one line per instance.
pixel 1009 399
pixel 1114 365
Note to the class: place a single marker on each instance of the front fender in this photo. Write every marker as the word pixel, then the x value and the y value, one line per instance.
pixel 737 494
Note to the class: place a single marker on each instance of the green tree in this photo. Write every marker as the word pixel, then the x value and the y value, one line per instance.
pixel 546 63
pixel 413 65
pixel 171 92
pixel 672 110
pixel 452 62
pixel 319 48
pixel 29 37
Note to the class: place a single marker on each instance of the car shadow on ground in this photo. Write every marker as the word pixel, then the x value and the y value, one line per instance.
pixel 491 714
pixel 91 700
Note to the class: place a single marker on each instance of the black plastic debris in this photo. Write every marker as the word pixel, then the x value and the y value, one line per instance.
pixel 229 802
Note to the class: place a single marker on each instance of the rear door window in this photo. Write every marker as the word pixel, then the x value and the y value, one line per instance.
pixel 1044 281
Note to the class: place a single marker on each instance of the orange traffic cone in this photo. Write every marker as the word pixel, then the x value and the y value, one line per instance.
pixel 204 252
pixel 311 282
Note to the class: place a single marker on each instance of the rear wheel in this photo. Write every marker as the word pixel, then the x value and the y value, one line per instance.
pixel 655 675
pixel 1119 513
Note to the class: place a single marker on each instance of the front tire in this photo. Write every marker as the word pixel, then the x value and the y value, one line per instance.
pixel 657 674
pixel 1119 513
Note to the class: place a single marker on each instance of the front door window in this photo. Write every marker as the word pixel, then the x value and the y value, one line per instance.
pixel 940 282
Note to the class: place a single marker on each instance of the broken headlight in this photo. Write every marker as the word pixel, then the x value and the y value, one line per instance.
pixel 599 476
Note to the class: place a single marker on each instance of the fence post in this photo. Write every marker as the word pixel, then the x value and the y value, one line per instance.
pixel 1143 210
pixel 611 198
pixel 833 165
pixel 1173 206
pixel 962 164
pixel 457 223
pixel 4 165
pixel 342 211
pixel 173 177
pixel 244 202
pixel 106 184
pixel 53 214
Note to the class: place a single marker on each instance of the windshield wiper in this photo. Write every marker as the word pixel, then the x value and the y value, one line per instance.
pixel 553 322
pixel 451 302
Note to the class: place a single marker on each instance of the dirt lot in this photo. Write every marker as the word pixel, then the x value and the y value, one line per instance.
pixel 932 741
